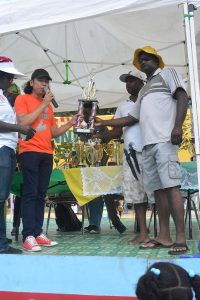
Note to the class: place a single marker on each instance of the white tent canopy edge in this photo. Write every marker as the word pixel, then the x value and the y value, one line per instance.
pixel 26 14
pixel 102 46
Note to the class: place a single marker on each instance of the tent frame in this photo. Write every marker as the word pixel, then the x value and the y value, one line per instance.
pixel 189 9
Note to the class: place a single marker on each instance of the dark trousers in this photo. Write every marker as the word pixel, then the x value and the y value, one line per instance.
pixel 36 170
pixel 7 169
pixel 111 208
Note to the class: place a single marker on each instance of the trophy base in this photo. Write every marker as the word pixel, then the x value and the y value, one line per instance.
pixel 84 130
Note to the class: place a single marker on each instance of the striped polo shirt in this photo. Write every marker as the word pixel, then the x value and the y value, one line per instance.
pixel 156 107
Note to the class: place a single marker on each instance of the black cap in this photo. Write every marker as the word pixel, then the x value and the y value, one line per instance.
pixel 40 73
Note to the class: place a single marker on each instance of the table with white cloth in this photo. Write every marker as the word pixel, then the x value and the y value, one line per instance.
pixel 95 181
pixel 87 184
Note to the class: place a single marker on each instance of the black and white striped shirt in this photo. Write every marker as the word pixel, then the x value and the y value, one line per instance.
pixel 156 107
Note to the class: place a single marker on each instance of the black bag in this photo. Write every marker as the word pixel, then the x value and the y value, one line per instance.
pixel 66 219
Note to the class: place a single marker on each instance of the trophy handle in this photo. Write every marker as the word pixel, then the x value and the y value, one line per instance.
pixel 80 111
pixel 93 114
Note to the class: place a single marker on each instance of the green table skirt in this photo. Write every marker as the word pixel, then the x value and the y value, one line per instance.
pixel 57 183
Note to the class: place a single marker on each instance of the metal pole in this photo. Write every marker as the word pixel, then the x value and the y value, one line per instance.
pixel 194 83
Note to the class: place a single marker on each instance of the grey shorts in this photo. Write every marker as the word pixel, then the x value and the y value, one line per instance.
pixel 133 189
pixel 161 167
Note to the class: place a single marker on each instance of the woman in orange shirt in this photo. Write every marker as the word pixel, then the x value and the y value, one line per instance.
pixel 34 109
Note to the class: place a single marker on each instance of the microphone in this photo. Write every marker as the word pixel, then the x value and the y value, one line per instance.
pixel 53 101
pixel 55 104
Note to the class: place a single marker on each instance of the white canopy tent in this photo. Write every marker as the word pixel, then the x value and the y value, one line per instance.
pixel 99 37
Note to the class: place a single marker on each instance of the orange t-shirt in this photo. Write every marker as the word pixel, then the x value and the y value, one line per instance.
pixel 41 142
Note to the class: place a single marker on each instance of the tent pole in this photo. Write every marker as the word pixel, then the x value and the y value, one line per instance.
pixel 194 83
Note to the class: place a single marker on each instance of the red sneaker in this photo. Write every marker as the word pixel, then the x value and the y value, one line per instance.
pixel 44 241
pixel 30 244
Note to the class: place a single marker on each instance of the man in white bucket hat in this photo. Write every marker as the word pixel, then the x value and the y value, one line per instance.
pixel 8 142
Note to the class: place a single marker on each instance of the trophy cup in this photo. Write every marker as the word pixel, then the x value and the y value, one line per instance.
pixel 87 108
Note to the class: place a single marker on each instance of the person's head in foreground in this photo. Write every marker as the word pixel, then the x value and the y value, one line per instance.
pixel 168 281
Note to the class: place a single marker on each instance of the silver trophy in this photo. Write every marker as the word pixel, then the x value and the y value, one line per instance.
pixel 87 108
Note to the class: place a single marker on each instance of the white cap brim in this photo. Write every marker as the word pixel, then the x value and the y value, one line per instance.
pixel 8 67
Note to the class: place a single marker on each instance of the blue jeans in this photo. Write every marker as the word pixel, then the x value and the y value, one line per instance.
pixel 7 169
pixel 95 211
pixel 36 170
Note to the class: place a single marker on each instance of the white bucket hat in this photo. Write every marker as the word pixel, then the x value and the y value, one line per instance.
pixel 7 66
pixel 133 73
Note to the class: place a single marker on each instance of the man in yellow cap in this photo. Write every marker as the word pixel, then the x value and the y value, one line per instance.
pixel 161 108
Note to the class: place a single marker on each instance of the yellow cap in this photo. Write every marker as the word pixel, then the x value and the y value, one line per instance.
pixel 150 50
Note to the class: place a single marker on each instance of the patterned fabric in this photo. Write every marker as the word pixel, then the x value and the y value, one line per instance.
pixel 74 178
pixel 189 180
pixel 133 189
pixel 14 89
pixel 102 180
